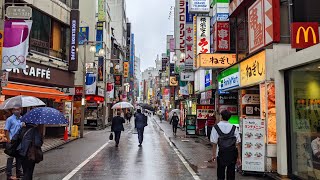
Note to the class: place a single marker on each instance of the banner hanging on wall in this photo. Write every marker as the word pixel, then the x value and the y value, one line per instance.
pixel 16 44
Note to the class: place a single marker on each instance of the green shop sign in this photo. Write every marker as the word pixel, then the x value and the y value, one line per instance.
pixel 229 78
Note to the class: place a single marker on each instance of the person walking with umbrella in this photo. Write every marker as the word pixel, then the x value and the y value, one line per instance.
pixel 31 136
pixel 140 123
pixel 174 121
pixel 29 150
pixel 117 126
pixel 12 126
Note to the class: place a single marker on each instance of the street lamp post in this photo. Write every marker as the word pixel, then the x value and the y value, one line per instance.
pixel 83 99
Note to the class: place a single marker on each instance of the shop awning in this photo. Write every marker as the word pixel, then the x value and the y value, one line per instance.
pixel 13 89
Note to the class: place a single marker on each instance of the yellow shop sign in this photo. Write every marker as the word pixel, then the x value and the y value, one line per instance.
pixel 253 70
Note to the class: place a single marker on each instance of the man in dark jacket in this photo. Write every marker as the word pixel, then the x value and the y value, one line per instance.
pixel 117 126
pixel 140 123
pixel 174 121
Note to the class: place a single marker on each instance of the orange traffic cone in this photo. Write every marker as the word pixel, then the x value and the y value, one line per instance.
pixel 66 136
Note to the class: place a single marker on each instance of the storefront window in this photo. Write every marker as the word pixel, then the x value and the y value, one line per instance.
pixel 304 99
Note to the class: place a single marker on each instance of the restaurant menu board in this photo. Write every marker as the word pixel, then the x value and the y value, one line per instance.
pixel 253 145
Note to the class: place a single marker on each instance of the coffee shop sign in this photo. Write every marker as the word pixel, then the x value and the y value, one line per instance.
pixel 33 71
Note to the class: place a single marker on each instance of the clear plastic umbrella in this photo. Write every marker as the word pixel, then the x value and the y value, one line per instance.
pixel 21 101
pixel 122 105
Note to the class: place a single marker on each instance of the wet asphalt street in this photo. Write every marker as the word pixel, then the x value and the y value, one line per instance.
pixel 154 160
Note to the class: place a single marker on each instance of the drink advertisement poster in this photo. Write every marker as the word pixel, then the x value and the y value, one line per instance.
pixel 253 145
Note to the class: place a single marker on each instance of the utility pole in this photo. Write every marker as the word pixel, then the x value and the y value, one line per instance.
pixel 83 99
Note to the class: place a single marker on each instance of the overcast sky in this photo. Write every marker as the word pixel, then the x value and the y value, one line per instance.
pixel 150 24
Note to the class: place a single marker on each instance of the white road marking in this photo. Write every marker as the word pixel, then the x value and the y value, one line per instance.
pixel 183 160
pixel 73 172
pixel 87 133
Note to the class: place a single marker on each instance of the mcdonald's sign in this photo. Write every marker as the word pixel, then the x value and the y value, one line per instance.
pixel 304 34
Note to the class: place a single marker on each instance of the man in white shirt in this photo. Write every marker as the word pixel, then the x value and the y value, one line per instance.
pixel 228 156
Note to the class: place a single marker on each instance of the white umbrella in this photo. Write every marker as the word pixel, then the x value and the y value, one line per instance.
pixel 21 101
pixel 122 105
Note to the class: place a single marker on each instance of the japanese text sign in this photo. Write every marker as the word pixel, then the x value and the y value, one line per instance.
pixel 181 24
pixel 304 34
pixel 125 69
pixel 203 35
pixel 216 60
pixel 102 10
pixel 264 23
pixel 189 47
pixel 118 80
pixel 253 70
pixel 99 36
pixel 222 36
pixel 83 35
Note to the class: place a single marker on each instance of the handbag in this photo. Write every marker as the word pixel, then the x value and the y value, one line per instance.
pixel 11 148
pixel 111 136
pixel 34 152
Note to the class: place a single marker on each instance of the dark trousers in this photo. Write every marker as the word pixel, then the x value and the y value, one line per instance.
pixel 174 128
pixel 10 166
pixel 117 135
pixel 140 134
pixel 28 167
pixel 221 171
pixel 209 129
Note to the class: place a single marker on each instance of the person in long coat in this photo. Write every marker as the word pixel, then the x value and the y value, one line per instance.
pixel 140 123
pixel 117 127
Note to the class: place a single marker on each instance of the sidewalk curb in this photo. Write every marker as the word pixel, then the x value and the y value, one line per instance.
pixel 181 152
pixel 3 169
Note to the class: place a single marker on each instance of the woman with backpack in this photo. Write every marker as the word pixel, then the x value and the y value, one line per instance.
pixel 29 149
pixel 175 122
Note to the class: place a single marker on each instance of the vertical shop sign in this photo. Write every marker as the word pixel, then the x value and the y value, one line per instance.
pixel 74 38
pixel 16 44
pixel 100 68
pixel 264 23
pixel 125 69
pixel 181 33
pixel 253 70
pixel 222 36
pixel 164 63
pixel 203 35
pixel 172 45
pixel 102 10
pixel 189 47
pixel 99 36
pixel 83 35
pixel 253 143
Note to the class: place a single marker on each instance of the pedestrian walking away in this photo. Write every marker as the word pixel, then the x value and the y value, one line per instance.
pixel 117 126
pixel 140 123
pixel 227 138
pixel 174 121
pixel 12 126
pixel 128 116
pixel 29 150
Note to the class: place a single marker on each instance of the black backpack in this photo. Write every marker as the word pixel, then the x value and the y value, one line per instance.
pixel 227 146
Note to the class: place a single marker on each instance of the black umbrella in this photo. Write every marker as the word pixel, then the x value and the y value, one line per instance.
pixel 146 106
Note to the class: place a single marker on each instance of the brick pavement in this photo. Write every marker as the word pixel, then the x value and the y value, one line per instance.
pixel 196 150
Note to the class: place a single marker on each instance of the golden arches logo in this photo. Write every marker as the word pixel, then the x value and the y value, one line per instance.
pixel 306 33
